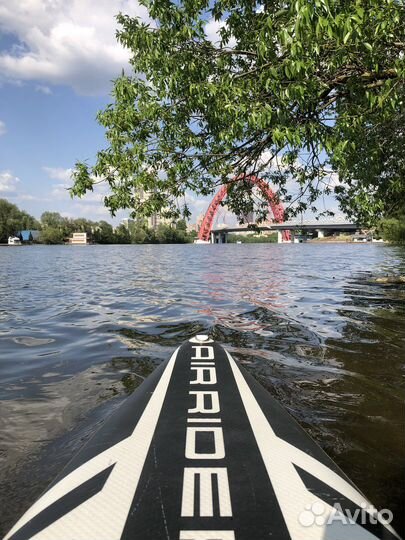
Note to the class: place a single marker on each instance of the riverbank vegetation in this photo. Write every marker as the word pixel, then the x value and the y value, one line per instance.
pixel 392 229
pixel 12 219
pixel 301 93
pixel 252 238
pixel 56 229
pixel 392 226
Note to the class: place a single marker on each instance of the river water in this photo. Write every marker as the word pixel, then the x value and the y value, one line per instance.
pixel 81 327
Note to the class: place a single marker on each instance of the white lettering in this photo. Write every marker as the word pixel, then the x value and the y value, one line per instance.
pixel 201 400
pixel 203 363
pixel 212 375
pixel 219 448
pixel 206 503
pixel 207 535
pixel 204 420
pixel 198 352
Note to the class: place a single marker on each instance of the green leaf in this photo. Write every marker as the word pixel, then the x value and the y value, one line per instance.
pixel 193 112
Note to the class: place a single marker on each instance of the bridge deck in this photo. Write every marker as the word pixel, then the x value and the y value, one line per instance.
pixel 292 227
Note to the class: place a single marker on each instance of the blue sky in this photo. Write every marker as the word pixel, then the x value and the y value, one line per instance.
pixel 57 61
pixel 45 134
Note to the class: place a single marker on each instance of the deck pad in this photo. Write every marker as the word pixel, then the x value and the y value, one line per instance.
pixel 201 451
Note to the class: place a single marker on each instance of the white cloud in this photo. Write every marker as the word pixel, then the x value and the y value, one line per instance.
pixel 275 163
pixel 60 191
pixel 84 210
pixel 332 179
pixel 8 182
pixel 212 29
pixel 59 173
pixel 69 42
pixel 197 206
pixel 91 211
pixel 3 128
pixel 30 198
pixel 43 89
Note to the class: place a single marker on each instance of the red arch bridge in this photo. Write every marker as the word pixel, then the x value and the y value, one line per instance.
pixel 288 231
pixel 205 233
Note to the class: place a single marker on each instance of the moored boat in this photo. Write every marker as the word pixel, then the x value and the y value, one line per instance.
pixel 14 241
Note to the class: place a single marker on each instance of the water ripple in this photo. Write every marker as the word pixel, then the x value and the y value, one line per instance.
pixel 81 328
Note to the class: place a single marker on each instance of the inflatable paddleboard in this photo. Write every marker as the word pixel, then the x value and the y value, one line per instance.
pixel 201 451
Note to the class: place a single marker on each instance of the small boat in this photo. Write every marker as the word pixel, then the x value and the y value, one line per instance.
pixel 201 451
pixel 198 241
pixel 14 241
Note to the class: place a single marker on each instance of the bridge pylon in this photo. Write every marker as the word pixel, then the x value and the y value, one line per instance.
pixel 275 207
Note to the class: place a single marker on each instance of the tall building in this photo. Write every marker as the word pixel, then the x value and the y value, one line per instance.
pixel 155 219
pixel 126 222
pixel 200 219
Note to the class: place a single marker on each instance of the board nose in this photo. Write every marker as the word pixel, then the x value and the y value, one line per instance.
pixel 202 337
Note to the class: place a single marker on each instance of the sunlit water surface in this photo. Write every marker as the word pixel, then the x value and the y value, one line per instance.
pixel 81 327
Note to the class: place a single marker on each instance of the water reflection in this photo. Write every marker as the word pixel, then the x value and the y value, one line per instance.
pixel 87 325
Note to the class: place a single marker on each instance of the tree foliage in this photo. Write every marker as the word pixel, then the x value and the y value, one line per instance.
pixel 393 229
pixel 56 229
pixel 392 226
pixel 296 89
pixel 372 171
pixel 252 238
pixel 164 233
pixel 104 233
pixel 13 220
pixel 53 219
pixel 52 235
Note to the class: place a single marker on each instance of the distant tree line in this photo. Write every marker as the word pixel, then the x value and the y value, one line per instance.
pixel 12 220
pixel 56 229
pixel 393 228
pixel 259 238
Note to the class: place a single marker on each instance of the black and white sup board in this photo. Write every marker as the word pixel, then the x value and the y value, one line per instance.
pixel 201 451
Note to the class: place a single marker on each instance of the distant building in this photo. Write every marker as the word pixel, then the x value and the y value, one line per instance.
pixel 79 239
pixel 191 227
pixel 29 235
pixel 154 220
pixel 200 219
pixel 126 222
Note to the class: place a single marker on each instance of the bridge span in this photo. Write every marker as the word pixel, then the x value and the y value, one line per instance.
pixel 299 229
